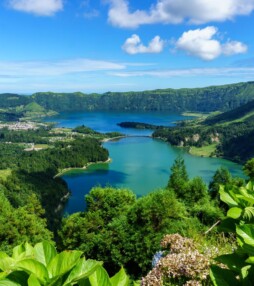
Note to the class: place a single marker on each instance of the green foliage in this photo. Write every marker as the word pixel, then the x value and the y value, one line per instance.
pixel 196 99
pixel 240 218
pixel 193 193
pixel 85 130
pixel 94 231
pixel 33 172
pixel 249 168
pixel 178 177
pixel 21 224
pixel 120 230
pixel 230 133
pixel 34 107
pixel 221 177
pixel 41 265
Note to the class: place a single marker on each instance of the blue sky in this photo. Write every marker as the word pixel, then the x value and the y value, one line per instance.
pixel 124 45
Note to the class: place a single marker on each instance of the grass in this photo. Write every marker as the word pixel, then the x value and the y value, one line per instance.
pixel 238 120
pixel 204 151
pixel 41 146
pixel 4 174
pixel 194 114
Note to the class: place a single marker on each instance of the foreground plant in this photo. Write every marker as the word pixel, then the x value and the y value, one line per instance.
pixel 238 267
pixel 183 265
pixel 41 265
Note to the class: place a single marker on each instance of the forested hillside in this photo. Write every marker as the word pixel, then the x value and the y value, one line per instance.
pixel 228 134
pixel 206 99
pixel 212 98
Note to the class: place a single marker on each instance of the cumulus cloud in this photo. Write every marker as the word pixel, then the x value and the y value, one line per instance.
pixel 133 45
pixel 37 7
pixel 175 12
pixel 201 43
pixel 234 47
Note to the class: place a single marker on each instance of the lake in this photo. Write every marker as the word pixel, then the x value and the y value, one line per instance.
pixel 139 163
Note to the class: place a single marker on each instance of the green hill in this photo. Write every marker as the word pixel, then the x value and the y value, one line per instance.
pixel 9 100
pixel 34 107
pixel 206 99
pixel 243 113
pixel 213 98
pixel 229 135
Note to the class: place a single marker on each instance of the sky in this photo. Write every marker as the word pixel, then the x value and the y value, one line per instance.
pixel 124 45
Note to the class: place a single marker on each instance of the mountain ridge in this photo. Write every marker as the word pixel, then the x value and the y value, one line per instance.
pixel 206 99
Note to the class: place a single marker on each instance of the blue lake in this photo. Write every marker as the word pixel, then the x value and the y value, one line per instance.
pixel 141 164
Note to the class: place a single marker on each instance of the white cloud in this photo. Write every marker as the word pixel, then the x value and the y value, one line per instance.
pixel 201 43
pixel 247 72
pixel 55 68
pixel 37 7
pixel 175 12
pixel 133 45
pixel 234 47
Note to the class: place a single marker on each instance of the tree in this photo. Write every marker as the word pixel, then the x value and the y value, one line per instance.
pixel 248 168
pixel 197 190
pixel 221 177
pixel 179 178
pixel 92 231
pixel 120 230
pixel 18 225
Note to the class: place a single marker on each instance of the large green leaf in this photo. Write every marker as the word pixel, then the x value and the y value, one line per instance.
pixel 100 277
pixel 3 255
pixel 63 262
pixel 7 264
pixel 6 282
pixel 32 266
pixel 120 279
pixel 234 212
pixel 249 199
pixel 246 232
pixel 223 277
pixel 22 251
pixel 33 281
pixel 44 252
pixel 247 275
pixel 250 260
pixel 3 275
pixel 226 198
pixel 83 269
pixel 233 261
pixel 18 251
pixel 20 277
pixel 227 225
pixel 29 250
pixel 250 186
pixel 84 282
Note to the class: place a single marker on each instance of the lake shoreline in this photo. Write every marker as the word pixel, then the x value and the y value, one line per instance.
pixel 66 170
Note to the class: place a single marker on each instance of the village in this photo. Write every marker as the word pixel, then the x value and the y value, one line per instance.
pixel 17 126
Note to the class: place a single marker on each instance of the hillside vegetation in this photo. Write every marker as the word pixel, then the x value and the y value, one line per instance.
pixel 206 99
pixel 212 98
pixel 229 134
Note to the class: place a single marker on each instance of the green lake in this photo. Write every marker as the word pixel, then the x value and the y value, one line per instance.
pixel 139 163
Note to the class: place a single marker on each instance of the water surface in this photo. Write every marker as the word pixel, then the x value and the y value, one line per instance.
pixel 105 121
pixel 141 164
